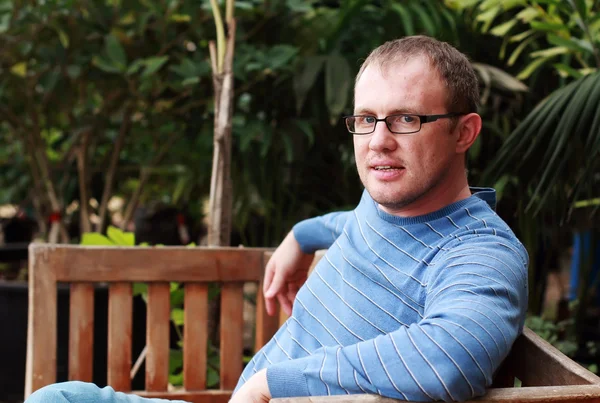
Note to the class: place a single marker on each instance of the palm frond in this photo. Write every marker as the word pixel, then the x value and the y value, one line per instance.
pixel 554 151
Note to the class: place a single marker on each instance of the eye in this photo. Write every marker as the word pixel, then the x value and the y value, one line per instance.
pixel 365 119
pixel 407 119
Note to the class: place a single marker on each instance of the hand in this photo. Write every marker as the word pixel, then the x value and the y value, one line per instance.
pixel 256 390
pixel 285 273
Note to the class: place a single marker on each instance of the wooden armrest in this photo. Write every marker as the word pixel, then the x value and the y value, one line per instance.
pixel 560 394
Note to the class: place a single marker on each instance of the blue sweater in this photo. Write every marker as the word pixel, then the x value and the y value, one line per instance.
pixel 420 308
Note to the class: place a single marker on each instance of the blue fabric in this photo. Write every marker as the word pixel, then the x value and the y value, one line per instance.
pixel 420 308
pixel 81 392
pixel 582 245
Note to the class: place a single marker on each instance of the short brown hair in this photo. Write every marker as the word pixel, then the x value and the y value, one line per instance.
pixel 454 67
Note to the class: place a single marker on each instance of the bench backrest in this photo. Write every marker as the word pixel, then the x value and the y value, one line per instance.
pixel 82 267
pixel 545 373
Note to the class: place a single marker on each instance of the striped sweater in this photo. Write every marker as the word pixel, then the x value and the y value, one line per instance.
pixel 420 308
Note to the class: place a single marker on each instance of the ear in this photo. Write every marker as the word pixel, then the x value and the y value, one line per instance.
pixel 468 129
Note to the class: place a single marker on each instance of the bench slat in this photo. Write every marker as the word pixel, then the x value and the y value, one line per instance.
pixel 195 335
pixel 81 332
pixel 157 337
pixel 231 335
pixel 120 318
pixel 266 326
pixel 138 264
pixel 207 396
pixel 41 325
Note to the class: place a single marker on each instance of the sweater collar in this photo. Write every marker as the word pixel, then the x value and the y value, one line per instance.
pixel 488 195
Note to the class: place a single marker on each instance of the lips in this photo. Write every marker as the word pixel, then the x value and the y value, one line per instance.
pixel 385 165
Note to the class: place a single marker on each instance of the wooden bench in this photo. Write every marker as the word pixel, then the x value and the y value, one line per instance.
pixel 545 373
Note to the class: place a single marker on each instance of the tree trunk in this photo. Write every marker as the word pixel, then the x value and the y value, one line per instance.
pixel 84 215
pixel 221 189
pixel 112 169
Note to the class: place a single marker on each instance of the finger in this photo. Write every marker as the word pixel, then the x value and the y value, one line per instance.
pixel 276 284
pixel 269 273
pixel 271 306
pixel 284 303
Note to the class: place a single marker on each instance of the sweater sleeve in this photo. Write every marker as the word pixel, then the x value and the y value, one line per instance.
pixel 474 310
pixel 320 232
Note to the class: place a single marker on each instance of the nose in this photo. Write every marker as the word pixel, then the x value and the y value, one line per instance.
pixel 382 139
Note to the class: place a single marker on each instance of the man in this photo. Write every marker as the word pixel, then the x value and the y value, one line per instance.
pixel 423 288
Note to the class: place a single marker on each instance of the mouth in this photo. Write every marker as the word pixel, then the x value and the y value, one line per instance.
pixel 386 168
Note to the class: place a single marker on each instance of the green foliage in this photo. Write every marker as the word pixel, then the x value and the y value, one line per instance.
pixel 564 35
pixel 114 237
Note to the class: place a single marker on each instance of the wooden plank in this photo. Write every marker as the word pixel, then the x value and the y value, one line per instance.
pixel 120 318
pixel 560 394
pixel 41 326
pixel 157 337
pixel 81 332
pixel 537 363
pixel 266 326
pixel 74 263
pixel 207 396
pixel 195 335
pixel 231 335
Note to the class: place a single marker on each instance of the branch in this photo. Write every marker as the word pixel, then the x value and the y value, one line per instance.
pixel 220 35
pixel 82 160
pixel 112 169
pixel 144 175
pixel 229 8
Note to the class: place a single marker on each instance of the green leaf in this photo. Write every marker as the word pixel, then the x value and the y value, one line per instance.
pixel 177 316
pixel 570 44
pixel 212 378
pixel 528 14
pixel 549 26
pixel 531 67
pixel 175 360
pixel 115 51
pixel 180 18
pixel 424 18
pixel 280 56
pixel 518 50
pixel 64 38
pixel 289 148
pixel 567 71
pixel 522 35
pixel 93 238
pixel 502 29
pixel 406 17
pixel 140 289
pixel 188 82
pixel 487 18
pixel 105 65
pixel 135 66
pixel 550 52
pixel 305 78
pixel 119 237
pixel 153 64
pixel 337 84
pixel 19 69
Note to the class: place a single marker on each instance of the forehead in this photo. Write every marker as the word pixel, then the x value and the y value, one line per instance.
pixel 405 86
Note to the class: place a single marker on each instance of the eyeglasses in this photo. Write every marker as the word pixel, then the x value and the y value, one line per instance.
pixel 398 124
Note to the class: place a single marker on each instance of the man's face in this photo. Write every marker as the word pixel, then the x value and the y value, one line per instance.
pixel 420 161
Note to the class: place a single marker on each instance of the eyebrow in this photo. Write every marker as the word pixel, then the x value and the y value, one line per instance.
pixel 398 111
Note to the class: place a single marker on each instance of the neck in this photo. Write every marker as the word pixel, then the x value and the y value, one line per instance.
pixel 452 188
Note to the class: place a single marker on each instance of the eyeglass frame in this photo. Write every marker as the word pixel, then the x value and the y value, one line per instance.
pixel 422 119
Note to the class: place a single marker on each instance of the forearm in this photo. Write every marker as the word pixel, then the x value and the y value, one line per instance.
pixel 320 232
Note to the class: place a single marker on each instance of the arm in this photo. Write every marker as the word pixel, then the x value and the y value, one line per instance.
pixel 473 313
pixel 320 232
